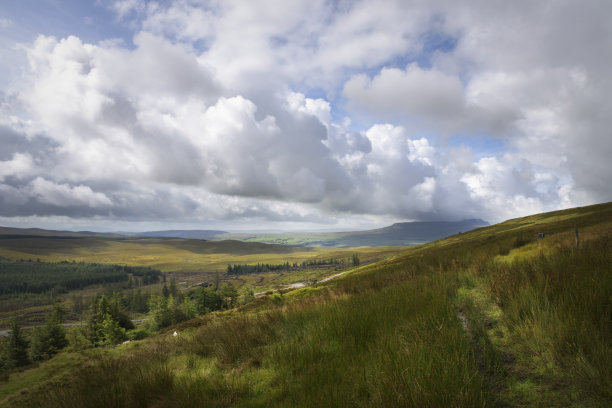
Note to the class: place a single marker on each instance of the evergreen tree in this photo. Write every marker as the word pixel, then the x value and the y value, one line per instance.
pixel 174 310
pixel 51 338
pixel 208 300
pixel 117 311
pixel 16 353
pixel 138 303
pixel 100 308
pixel 229 295
pixel 173 288
pixel 111 332
pixel 159 314
pixel 190 309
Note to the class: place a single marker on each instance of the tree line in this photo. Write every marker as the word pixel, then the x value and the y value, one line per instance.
pixel 40 277
pixel 260 267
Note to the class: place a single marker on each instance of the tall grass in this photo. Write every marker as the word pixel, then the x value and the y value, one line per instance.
pixel 559 307
pixel 388 334
pixel 400 346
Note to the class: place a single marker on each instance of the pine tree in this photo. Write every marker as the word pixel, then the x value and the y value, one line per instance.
pixel 112 333
pixel 100 308
pixel 189 308
pixel 229 294
pixel 16 353
pixel 173 289
pixel 159 314
pixel 51 338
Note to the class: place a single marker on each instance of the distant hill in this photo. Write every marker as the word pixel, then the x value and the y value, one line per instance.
pixel 409 233
pixel 38 232
pixel 191 234
pixel 404 233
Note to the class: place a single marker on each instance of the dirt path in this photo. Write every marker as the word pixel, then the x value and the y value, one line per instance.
pixel 298 285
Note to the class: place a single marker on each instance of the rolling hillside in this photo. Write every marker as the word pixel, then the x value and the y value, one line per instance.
pixel 38 232
pixel 406 233
pixel 399 234
pixel 191 234
pixel 492 317
pixel 402 234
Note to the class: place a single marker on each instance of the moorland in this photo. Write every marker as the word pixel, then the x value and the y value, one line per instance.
pixel 514 314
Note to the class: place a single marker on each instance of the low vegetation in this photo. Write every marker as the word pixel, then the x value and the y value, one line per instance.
pixel 493 317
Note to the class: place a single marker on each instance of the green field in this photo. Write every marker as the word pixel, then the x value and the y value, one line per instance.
pixel 492 317
pixel 171 254
pixel 189 261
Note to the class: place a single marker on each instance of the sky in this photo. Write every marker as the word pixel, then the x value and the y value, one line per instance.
pixel 136 115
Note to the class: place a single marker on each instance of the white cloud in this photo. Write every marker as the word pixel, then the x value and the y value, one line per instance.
pixel 123 8
pixel 319 108
pixel 63 195
pixel 20 165
pixel 430 100
pixel 232 110
pixel 413 92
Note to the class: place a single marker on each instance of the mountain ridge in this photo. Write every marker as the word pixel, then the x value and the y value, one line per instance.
pixel 398 234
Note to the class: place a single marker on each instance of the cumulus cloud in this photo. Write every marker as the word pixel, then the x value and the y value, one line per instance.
pixel 18 166
pixel 413 92
pixel 63 195
pixel 313 111
pixel 428 99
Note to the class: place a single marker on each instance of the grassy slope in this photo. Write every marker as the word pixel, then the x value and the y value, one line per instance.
pixel 492 317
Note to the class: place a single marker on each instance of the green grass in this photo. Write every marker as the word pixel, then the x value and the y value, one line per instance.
pixel 558 306
pixel 24 383
pixel 493 317
pixel 172 255
pixel 376 349
pixel 187 260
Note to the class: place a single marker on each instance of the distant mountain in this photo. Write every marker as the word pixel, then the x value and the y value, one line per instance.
pixel 408 233
pixel 404 233
pixel 38 232
pixel 191 234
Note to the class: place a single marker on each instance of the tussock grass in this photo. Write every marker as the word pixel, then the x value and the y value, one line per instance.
pixel 559 307
pixel 390 348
